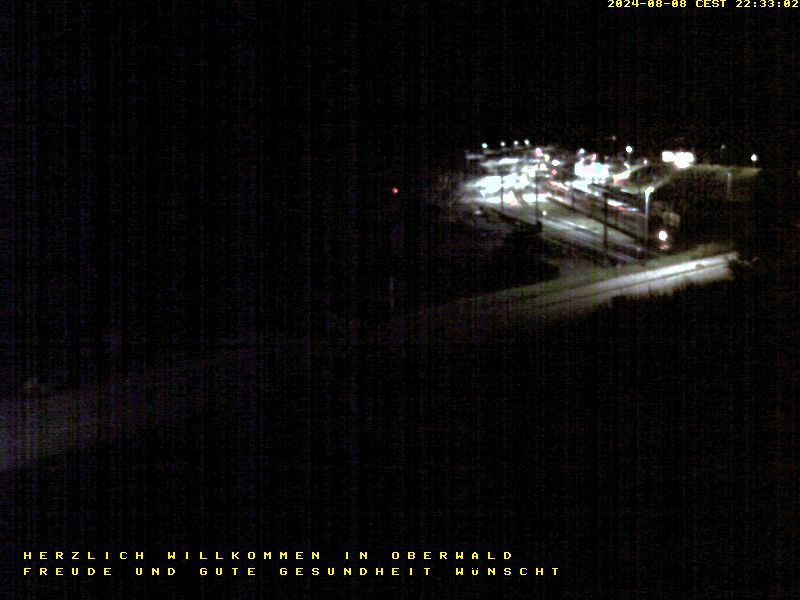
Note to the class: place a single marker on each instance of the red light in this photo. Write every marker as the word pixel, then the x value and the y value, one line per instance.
pixel 395 191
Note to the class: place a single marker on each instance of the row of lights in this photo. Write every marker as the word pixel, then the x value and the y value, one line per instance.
pixel 628 149
pixel 527 142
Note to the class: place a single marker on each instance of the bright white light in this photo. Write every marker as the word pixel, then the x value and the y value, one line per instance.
pixel 754 157
pixel 510 199
pixel 516 143
pixel 683 159
pixel 508 161
pixel 645 161
pixel 650 189
pixel 530 197
pixel 628 149
pixel 502 144
pixel 546 157
pixel 556 162
pixel 581 151
pixel 622 176
pixel 544 213
pixel 663 235
pixel 680 159
pixel 593 170
pixel 527 142
pixel 581 184
pixel 484 145
pixel 583 170
pixel 489 184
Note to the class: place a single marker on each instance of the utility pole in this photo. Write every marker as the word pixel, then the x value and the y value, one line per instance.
pixel 605 222
pixel 502 192
pixel 647 193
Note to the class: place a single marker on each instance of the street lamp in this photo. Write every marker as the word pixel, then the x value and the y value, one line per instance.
pixel 754 158
pixel 647 193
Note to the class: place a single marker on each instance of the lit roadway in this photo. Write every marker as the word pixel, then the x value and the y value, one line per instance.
pixel 498 315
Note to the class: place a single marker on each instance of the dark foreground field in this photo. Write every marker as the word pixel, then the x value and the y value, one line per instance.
pixel 647 451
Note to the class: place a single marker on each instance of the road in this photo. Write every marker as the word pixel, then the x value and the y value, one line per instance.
pixel 497 315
